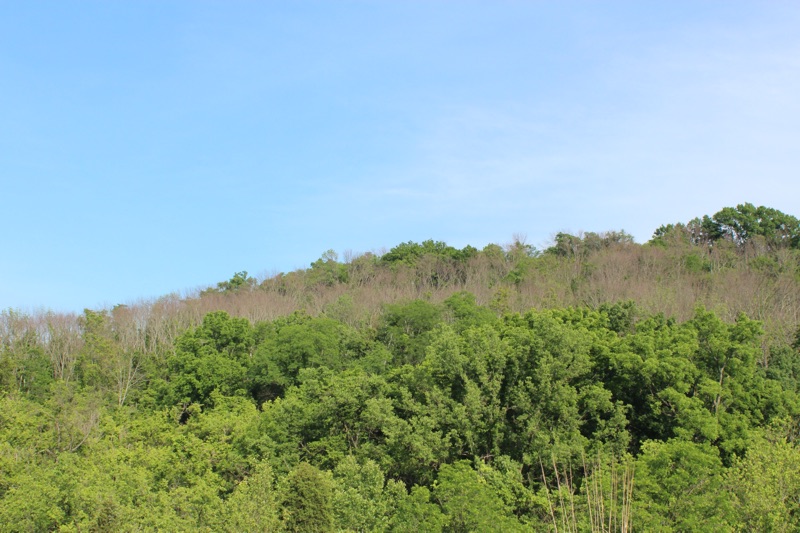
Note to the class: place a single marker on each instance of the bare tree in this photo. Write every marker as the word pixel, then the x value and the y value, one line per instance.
pixel 62 340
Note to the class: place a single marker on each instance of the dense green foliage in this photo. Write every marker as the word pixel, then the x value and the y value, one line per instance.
pixel 740 225
pixel 440 414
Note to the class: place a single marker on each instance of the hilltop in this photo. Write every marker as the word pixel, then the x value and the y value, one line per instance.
pixel 596 384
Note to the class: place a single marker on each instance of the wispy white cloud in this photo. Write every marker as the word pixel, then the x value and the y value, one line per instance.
pixel 255 137
pixel 704 119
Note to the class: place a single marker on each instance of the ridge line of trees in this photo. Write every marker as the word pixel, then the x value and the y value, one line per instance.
pixel 596 385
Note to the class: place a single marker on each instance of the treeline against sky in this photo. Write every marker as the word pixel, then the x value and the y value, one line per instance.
pixel 597 385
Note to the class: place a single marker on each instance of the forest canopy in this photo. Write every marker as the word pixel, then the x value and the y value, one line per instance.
pixel 598 384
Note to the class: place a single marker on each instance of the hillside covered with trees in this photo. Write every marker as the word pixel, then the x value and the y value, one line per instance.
pixel 596 385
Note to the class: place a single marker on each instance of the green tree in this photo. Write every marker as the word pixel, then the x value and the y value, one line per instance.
pixel 406 328
pixel 327 270
pixel 361 499
pixel 679 487
pixel 466 312
pixel 297 342
pixel 213 356
pixel 307 497
pixel 745 221
pixel 467 401
pixel 239 281
pixel 416 513
pixel 409 252
pixel 30 501
pixel 548 367
pixel 469 502
pixel 766 484
pixel 252 507
pixel 740 225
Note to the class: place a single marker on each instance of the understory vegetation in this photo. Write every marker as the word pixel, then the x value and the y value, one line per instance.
pixel 596 385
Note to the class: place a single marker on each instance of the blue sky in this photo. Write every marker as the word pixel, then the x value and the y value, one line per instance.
pixel 158 146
